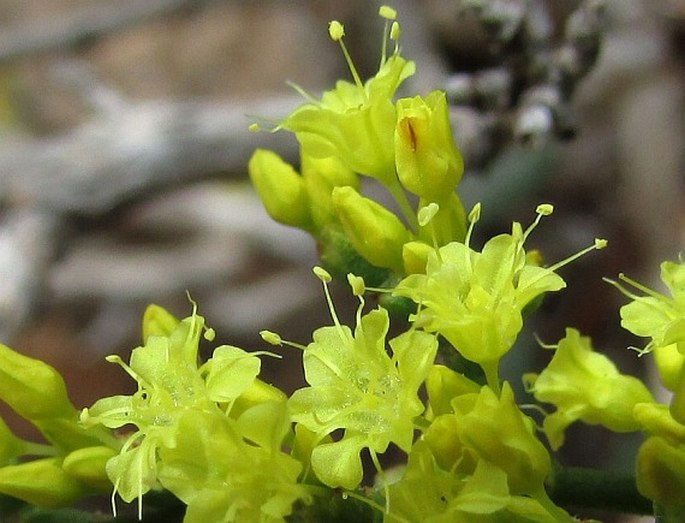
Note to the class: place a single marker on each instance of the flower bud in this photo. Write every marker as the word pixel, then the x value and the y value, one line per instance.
pixel 496 430
pixel 427 160
pixel 32 388
pixel 281 189
pixel 157 321
pixel 88 465
pixel 443 384
pixel 669 363
pixel 258 392
pixel 442 437
pixel 376 233
pixel 656 420
pixel 320 176
pixel 415 256
pixel 42 482
pixel 661 472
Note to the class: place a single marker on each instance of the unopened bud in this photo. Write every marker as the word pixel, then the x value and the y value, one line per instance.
pixel 661 472
pixel 88 465
pixel 157 321
pixel 427 160
pixel 280 188
pixel 375 232
pixel 32 388
pixel 42 482
pixel 415 256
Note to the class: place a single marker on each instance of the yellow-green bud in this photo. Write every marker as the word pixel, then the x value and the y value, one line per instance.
pixel 42 482
pixel 661 471
pixel 444 384
pixel 32 388
pixel 415 255
pixel 258 392
pixel 669 363
pixel 88 465
pixel 320 176
pixel 157 321
pixel 427 160
pixel 656 420
pixel 281 189
pixel 442 437
pixel 496 430
pixel 375 232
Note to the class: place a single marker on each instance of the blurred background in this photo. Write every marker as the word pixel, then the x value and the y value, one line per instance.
pixel 124 144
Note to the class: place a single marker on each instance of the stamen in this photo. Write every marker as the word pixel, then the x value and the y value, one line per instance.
pixel 427 213
pixel 661 300
pixel 140 490
pixel 387 12
pixel 395 36
pixel 381 473
pixel 358 289
pixel 115 358
pixel 425 216
pixel 544 209
pixel 301 91
pixel 357 284
pixel 543 344
pixel 642 352
pixel 390 15
pixel 113 498
pixel 473 217
pixel 195 325
pixel 640 287
pixel 322 274
pixel 598 244
pixel 336 31
pixel 474 214
pixel 325 278
pixel 273 338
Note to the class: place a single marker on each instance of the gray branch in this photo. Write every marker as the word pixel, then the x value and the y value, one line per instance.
pixel 80 26
pixel 143 146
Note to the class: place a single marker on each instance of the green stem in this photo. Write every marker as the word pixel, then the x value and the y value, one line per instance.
pixel 597 489
pixel 39 449
pixel 491 370
pixel 403 202
pixel 671 514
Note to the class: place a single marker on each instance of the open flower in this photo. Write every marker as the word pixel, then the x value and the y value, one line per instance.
pixel 170 383
pixel 585 385
pixel 476 299
pixel 355 122
pixel 427 159
pixel 661 318
pixel 233 470
pixel 357 386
